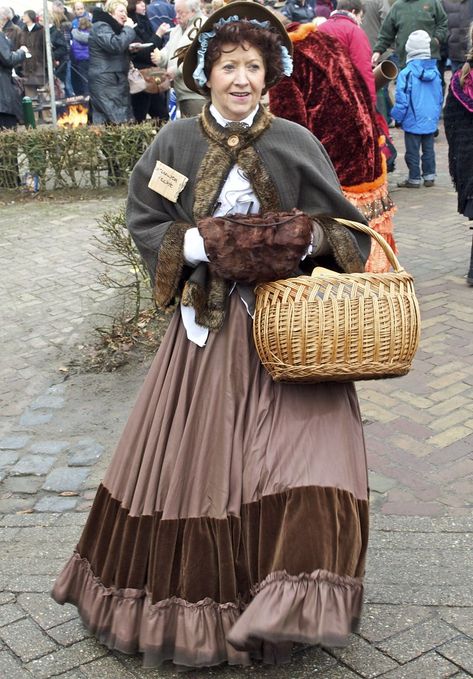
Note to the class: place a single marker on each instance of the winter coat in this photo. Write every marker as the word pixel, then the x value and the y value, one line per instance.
pixel 109 62
pixel 458 120
pixel 374 15
pixel 34 69
pixel 144 33
pixel 60 52
pixel 161 12
pixel 460 15
pixel 406 16
pixel 294 10
pixel 419 97
pixel 66 29
pixel 80 44
pixel 10 100
pixel 343 26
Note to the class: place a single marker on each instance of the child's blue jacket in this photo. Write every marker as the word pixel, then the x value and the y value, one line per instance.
pixel 419 97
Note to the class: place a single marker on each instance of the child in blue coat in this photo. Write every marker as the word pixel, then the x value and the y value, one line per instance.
pixel 417 109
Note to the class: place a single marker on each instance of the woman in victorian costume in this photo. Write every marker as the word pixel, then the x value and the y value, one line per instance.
pixel 232 522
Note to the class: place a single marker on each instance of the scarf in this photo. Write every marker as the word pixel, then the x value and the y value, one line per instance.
pixel 463 94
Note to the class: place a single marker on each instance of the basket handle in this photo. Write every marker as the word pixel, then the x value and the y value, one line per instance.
pixel 358 226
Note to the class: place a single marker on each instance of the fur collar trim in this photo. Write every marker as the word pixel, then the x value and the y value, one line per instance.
pixel 227 147
pixel 100 15
pixel 204 291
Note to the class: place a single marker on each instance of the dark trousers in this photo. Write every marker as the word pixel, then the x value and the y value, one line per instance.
pixel 7 121
pixel 80 77
pixel 414 143
pixel 156 105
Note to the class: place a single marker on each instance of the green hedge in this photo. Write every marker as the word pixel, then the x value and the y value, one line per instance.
pixel 72 157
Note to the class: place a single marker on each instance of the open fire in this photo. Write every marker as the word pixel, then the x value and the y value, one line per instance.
pixel 74 116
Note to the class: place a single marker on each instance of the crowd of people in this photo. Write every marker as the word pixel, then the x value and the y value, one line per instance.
pixel 89 42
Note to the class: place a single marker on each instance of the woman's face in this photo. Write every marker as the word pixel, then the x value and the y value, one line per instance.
pixel 140 7
pixel 26 19
pixel 119 14
pixel 237 81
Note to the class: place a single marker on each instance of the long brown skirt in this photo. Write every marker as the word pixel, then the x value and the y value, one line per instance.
pixel 233 519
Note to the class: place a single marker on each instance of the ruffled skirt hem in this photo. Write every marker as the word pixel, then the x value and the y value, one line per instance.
pixel 313 608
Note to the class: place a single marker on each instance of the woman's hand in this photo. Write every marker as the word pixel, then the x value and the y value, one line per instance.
pixel 156 56
pixel 130 23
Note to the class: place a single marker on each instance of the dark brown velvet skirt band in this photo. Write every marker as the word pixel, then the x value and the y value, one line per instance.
pixel 272 534
pixel 255 563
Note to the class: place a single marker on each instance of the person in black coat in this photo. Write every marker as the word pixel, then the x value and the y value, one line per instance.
pixel 298 10
pixel 109 61
pixel 11 111
pixel 60 53
pixel 143 103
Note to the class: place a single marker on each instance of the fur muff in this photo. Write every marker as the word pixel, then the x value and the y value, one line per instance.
pixel 253 249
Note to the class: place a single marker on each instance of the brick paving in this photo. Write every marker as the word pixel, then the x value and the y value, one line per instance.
pixel 57 434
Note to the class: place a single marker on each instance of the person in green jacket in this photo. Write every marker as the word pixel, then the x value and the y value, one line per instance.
pixel 406 16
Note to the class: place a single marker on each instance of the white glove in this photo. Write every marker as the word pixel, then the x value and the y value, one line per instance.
pixel 194 249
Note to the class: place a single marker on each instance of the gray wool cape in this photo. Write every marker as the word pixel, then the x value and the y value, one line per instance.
pixel 287 167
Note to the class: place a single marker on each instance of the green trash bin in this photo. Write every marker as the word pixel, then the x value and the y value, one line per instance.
pixel 28 113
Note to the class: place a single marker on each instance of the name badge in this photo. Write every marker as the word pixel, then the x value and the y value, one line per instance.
pixel 167 182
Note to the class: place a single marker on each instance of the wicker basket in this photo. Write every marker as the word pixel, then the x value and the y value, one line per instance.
pixel 338 327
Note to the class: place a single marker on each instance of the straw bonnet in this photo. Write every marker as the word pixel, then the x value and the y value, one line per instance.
pixel 244 10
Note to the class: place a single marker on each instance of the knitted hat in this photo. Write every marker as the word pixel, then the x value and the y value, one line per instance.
pixel 418 46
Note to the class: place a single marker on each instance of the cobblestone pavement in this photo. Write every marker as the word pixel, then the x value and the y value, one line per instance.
pixel 57 434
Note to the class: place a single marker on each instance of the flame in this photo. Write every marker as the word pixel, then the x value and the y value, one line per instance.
pixel 76 116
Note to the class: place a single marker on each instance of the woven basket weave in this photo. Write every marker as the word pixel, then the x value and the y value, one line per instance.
pixel 338 327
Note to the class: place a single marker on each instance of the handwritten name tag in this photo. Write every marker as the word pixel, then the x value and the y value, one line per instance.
pixel 167 182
